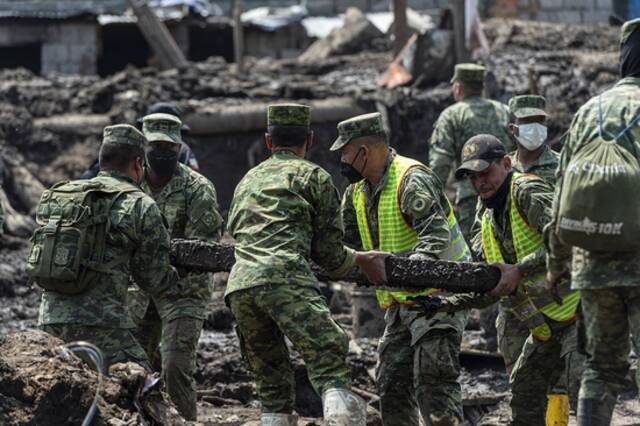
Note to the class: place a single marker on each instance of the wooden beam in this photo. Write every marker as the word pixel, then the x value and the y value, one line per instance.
pixel 402 272
pixel 158 36
pixel 238 36
pixel 459 30
pixel 401 31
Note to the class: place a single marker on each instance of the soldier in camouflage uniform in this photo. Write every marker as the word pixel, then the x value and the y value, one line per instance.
pixel 285 213
pixel 397 204
pixel 528 129
pixel 609 281
pixel 518 207
pixel 471 115
pixel 99 314
pixel 188 202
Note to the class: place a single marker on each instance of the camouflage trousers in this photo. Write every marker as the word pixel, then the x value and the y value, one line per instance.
pixel 117 344
pixel 418 367
pixel 539 368
pixel 267 314
pixel 178 340
pixel 610 315
pixel 512 334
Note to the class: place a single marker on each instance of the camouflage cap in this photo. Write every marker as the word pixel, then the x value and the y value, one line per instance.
pixel 288 115
pixel 478 153
pixel 628 28
pixel 162 127
pixel 527 106
pixel 468 72
pixel 357 127
pixel 124 134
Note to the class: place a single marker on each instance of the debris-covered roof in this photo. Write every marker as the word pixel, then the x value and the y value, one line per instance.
pixel 63 9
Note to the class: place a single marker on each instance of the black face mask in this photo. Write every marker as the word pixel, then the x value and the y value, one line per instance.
pixel 351 173
pixel 630 56
pixel 163 162
pixel 499 199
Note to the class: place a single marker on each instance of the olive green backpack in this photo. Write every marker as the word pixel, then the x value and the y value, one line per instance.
pixel 599 206
pixel 67 249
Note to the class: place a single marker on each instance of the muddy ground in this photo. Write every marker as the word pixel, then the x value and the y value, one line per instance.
pixel 50 129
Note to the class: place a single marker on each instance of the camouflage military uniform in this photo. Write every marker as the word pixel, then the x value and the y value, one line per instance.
pixel 545 166
pixel 99 314
pixel 189 204
pixel 472 116
pixel 418 358
pixel 609 282
pixel 535 366
pixel 284 213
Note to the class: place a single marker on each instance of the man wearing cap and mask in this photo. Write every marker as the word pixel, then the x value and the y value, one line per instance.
pixel 136 244
pixel 529 130
pixel 517 208
pixel 188 202
pixel 609 281
pixel 471 115
pixel 284 214
pixel 185 156
pixel 396 204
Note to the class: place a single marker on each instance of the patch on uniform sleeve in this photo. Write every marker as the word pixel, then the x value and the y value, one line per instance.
pixel 420 205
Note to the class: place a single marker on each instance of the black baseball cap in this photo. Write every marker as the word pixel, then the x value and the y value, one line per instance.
pixel 165 108
pixel 478 153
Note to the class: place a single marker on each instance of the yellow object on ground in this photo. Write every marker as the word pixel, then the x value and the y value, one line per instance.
pixel 557 410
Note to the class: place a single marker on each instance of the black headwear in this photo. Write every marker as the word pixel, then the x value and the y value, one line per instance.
pixel 630 56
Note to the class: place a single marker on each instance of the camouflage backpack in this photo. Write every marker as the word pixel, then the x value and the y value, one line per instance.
pixel 599 209
pixel 67 249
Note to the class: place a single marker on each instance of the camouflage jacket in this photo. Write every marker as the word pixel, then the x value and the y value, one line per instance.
pixel 190 207
pixel 137 228
pixel 286 212
pixel 545 166
pixel 422 201
pixel 620 105
pixel 458 123
pixel 533 197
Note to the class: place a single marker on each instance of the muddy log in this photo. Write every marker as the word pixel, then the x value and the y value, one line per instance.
pixel 454 277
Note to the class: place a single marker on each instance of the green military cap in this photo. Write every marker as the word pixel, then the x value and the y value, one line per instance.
pixel 162 127
pixel 468 72
pixel 357 127
pixel 478 153
pixel 288 115
pixel 628 28
pixel 527 106
pixel 124 134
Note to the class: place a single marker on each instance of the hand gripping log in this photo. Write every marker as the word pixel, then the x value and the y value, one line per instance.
pixel 453 277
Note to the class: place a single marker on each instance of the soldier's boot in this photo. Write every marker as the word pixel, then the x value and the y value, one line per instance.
pixel 278 419
pixel 593 412
pixel 557 410
pixel 342 407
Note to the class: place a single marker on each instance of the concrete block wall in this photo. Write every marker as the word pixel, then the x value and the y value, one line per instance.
pixel 575 11
pixel 70 48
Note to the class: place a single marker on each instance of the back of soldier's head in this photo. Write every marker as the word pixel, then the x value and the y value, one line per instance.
pixel 121 144
pixel 288 124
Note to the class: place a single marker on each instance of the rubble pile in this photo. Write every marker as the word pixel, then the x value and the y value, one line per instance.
pixel 41 383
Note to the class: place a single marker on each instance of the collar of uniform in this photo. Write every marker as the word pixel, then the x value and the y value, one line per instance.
pixel 544 159
pixel 284 153
pixel 366 187
pixel 117 175
pixel 176 183
pixel 635 81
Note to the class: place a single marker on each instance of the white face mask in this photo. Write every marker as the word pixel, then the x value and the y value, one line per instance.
pixel 531 136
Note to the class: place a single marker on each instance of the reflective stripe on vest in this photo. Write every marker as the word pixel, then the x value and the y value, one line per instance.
pixel 530 304
pixel 395 235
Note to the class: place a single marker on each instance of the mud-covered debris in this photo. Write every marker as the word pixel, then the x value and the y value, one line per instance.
pixel 40 383
pixel 356 34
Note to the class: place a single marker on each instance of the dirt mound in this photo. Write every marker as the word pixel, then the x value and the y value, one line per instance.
pixel 40 383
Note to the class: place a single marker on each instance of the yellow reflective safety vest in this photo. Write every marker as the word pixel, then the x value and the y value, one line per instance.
pixel 532 301
pixel 395 235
